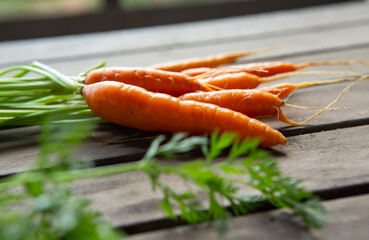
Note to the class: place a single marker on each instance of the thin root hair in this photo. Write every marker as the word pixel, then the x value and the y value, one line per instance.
pixel 286 120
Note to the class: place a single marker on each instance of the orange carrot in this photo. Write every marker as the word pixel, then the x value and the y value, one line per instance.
pixel 171 83
pixel 261 103
pixel 235 79
pixel 262 69
pixel 209 61
pixel 238 80
pixel 251 102
pixel 266 69
pixel 192 72
pixel 270 68
pixel 136 107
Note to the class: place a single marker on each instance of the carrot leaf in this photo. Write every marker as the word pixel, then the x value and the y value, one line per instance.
pixel 39 207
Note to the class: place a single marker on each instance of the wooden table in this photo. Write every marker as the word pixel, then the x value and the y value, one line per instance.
pixel 331 153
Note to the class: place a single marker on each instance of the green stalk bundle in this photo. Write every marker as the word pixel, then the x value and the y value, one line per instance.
pixel 26 99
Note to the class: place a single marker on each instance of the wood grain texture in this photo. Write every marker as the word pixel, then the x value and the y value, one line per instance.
pixel 329 161
pixel 348 218
pixel 318 45
pixel 326 161
pixel 255 27
pixel 115 144
pixel 108 144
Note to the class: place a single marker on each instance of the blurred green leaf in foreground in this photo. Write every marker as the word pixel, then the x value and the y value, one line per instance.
pixel 38 204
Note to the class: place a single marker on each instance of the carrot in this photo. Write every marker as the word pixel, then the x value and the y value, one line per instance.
pixel 136 107
pixel 209 61
pixel 273 68
pixel 192 72
pixel 235 79
pixel 239 80
pixel 251 102
pixel 259 103
pixel 262 69
pixel 171 83
pixel 266 69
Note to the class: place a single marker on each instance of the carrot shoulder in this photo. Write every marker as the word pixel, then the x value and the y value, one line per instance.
pixel 136 107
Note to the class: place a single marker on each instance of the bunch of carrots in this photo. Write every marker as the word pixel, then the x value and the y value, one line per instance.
pixel 195 96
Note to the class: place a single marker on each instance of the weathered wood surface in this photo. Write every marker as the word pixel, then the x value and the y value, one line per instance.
pixel 321 167
pixel 97 149
pixel 165 39
pixel 334 163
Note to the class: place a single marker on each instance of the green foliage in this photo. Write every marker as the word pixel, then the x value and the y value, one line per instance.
pixel 55 214
pixel 218 183
pixel 29 100
pixel 38 204
pixel 39 207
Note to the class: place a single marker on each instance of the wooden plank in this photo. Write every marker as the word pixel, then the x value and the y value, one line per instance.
pixel 20 153
pixel 349 219
pixel 116 144
pixel 303 97
pixel 321 158
pixel 329 161
pixel 326 160
pixel 106 145
pixel 118 18
pixel 256 27
pixel 337 42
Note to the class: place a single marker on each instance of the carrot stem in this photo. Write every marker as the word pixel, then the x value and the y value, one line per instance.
pixel 58 77
pixel 29 86
pixel 39 68
pixel 96 66
pixel 31 106
pixel 15 112
pixel 19 79
pixel 99 171
pixel 29 100
pixel 39 116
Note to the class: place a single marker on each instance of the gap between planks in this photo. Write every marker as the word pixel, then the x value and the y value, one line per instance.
pixel 324 194
pixel 32 136
pixel 349 218
pixel 322 170
pixel 359 186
